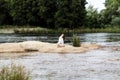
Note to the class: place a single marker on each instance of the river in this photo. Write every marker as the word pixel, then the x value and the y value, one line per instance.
pixel 101 64
pixel 102 38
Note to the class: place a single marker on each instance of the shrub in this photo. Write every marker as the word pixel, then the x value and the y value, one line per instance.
pixel 14 72
pixel 75 41
pixel 116 21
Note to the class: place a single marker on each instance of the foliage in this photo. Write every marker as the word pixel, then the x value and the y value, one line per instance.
pixel 59 14
pixel 93 18
pixel 47 31
pixel 70 14
pixel 25 12
pixel 14 72
pixel 116 21
pixel 49 13
pixel 112 11
pixel 75 41
pixel 108 16
pixel 4 13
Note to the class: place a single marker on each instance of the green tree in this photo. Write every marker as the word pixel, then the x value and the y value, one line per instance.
pixel 34 12
pixel 93 18
pixel 4 13
pixel 116 21
pixel 47 11
pixel 112 11
pixel 26 12
pixel 70 14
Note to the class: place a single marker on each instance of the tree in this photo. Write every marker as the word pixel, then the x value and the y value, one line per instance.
pixel 78 13
pixel 47 13
pixel 70 14
pixel 116 21
pixel 112 11
pixel 34 12
pixel 47 10
pixel 4 13
pixel 93 18
pixel 26 12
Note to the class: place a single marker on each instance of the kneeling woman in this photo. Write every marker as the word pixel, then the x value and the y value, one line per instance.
pixel 61 41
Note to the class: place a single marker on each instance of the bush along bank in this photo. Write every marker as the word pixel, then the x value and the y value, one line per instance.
pixel 75 41
pixel 65 30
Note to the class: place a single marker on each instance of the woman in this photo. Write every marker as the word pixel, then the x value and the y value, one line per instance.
pixel 61 41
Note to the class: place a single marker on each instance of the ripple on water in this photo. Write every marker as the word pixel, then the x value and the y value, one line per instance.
pixel 93 65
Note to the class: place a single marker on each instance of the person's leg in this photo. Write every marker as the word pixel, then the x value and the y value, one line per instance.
pixel 60 45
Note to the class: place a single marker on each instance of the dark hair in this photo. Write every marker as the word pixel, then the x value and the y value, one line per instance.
pixel 63 37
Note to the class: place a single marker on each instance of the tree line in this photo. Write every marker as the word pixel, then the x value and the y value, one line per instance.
pixel 58 13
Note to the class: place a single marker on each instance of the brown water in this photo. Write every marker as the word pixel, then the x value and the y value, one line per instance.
pixel 101 64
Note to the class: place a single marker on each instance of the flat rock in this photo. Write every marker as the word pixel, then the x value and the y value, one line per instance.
pixel 11 47
pixel 29 46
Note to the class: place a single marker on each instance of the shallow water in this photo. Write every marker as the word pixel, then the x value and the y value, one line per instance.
pixel 101 64
pixel 93 65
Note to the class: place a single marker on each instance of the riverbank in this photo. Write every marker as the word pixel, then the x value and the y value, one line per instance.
pixel 7 30
pixel 42 47
pixel 40 30
pixel 65 30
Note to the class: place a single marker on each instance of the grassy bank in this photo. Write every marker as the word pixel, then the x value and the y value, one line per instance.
pixel 6 29
pixel 56 31
pixel 39 30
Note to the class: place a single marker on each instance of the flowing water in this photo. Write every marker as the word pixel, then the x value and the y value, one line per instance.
pixel 101 64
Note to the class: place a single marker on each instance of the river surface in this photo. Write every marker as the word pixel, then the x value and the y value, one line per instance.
pixel 102 38
pixel 101 64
